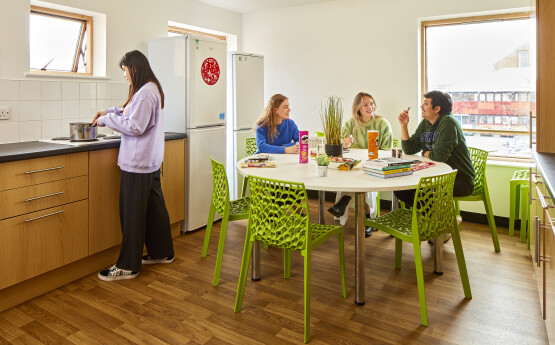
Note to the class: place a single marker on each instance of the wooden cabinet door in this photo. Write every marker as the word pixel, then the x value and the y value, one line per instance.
pixel 104 178
pixel 38 242
pixel 173 179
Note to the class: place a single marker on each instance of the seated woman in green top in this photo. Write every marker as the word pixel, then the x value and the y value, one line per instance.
pixel 355 135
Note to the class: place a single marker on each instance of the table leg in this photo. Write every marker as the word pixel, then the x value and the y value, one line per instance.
pixel 359 250
pixel 321 207
pixel 394 202
pixel 255 275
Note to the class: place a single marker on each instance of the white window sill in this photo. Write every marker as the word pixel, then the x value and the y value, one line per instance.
pixel 65 76
pixel 511 164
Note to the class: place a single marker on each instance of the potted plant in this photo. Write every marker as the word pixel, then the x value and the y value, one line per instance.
pixel 331 115
pixel 323 161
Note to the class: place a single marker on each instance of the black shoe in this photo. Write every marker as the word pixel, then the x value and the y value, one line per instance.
pixel 339 208
pixel 371 229
pixel 368 231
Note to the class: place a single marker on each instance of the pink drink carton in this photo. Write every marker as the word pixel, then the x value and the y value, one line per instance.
pixel 303 147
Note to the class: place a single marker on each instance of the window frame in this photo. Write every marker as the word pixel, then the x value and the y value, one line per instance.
pixel 87 33
pixel 461 21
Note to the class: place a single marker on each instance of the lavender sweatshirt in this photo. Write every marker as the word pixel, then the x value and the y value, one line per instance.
pixel 141 125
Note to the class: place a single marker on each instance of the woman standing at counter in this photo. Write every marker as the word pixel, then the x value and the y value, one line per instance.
pixel 275 132
pixel 355 135
pixel 143 215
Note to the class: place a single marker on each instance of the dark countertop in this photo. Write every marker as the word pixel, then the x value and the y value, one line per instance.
pixel 546 167
pixel 37 149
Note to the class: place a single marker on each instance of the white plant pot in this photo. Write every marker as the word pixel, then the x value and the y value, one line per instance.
pixel 322 170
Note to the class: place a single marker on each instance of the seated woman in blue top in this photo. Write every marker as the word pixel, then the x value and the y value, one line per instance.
pixel 275 132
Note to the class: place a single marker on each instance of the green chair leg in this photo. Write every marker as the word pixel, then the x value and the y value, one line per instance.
pixel 420 283
pixel 342 265
pixel 307 275
pixel 286 253
pixel 208 230
pixel 247 250
pixel 245 185
pixel 524 205
pixel 378 205
pixel 514 205
pixel 219 257
pixel 398 253
pixel 491 220
pixel 457 243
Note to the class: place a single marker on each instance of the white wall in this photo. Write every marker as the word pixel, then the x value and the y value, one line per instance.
pixel 42 107
pixel 343 47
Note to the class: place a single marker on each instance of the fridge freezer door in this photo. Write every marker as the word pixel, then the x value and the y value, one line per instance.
pixel 207 82
pixel 248 92
pixel 203 143
pixel 240 151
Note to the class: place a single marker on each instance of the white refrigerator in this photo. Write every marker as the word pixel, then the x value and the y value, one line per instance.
pixel 192 72
pixel 247 93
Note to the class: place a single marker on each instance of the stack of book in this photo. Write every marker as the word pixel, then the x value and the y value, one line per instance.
pixel 388 167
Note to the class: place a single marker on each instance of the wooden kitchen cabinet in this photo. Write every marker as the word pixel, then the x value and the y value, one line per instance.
pixel 173 179
pixel 104 178
pixel 543 248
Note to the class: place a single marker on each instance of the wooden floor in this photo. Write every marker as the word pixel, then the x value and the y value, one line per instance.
pixel 176 303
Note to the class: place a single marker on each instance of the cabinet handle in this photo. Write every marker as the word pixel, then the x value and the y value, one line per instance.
pixel 44 196
pixel 46 215
pixel 537 239
pixel 42 170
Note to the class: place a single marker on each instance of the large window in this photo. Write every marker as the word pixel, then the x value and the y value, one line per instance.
pixel 60 42
pixel 482 62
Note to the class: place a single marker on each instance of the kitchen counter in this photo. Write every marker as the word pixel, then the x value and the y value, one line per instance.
pixel 546 166
pixel 37 149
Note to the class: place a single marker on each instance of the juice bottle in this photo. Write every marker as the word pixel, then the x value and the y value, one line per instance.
pixel 373 144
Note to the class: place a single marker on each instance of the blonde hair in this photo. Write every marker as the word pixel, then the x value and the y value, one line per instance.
pixel 357 102
pixel 268 118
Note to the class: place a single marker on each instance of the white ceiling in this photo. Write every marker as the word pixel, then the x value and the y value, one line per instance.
pixel 243 6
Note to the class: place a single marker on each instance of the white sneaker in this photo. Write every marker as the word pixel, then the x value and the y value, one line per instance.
pixel 114 273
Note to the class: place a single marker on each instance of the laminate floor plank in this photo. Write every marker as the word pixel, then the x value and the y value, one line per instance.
pixel 177 304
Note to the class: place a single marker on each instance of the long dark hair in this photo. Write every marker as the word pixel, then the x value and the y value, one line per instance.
pixel 140 72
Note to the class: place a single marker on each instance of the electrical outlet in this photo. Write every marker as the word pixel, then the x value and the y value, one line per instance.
pixel 4 113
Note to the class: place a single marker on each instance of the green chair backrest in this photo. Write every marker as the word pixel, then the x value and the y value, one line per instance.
pixel 433 211
pixel 479 158
pixel 220 187
pixel 251 146
pixel 279 213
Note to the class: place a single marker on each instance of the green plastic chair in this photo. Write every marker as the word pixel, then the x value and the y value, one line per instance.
pixel 251 150
pixel 432 215
pixel 480 193
pixel 229 210
pixel 518 191
pixel 279 216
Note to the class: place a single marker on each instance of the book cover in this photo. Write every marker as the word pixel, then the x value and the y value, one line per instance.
pixel 387 172
pixel 389 175
pixel 389 161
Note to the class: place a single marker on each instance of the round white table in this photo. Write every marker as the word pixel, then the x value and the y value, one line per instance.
pixel 288 168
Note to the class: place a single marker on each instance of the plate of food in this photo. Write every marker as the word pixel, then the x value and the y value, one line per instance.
pixel 343 163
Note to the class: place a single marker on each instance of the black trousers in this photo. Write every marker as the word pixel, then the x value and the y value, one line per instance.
pixel 144 219
pixel 461 188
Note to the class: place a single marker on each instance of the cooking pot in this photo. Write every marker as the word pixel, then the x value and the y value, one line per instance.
pixel 82 131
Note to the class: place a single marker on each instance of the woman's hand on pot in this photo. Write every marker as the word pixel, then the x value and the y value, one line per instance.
pixel 95 119
pixel 347 141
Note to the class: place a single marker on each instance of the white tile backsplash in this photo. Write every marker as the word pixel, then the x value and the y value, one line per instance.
pixel 70 90
pixel 70 108
pixel 9 132
pixel 51 90
pixel 9 90
pixel 87 108
pixel 103 91
pixel 51 129
pixel 30 130
pixel 43 109
pixel 30 111
pixel 87 91
pixel 30 90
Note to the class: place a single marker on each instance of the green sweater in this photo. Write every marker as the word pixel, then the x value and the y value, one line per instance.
pixel 360 134
pixel 446 143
